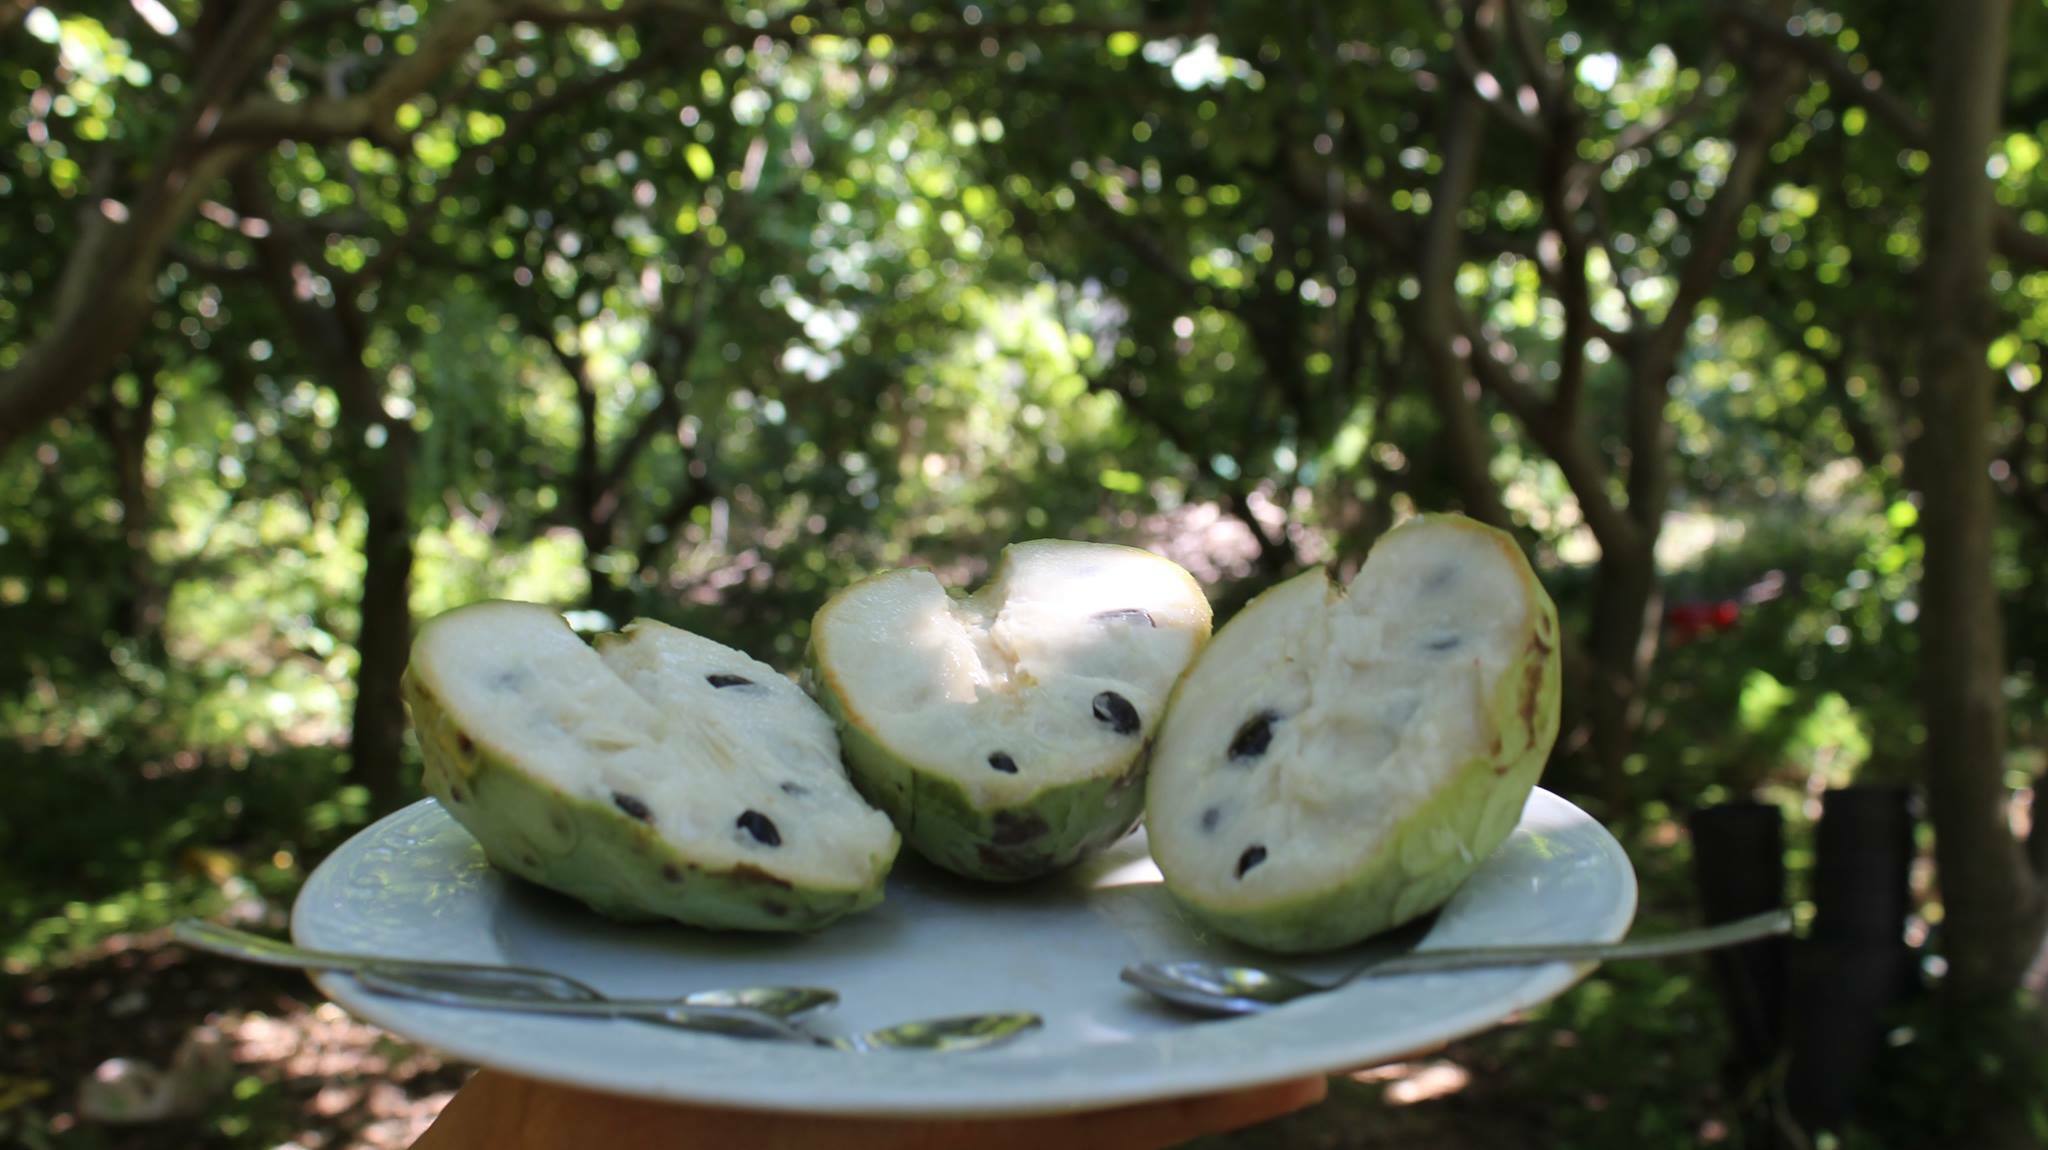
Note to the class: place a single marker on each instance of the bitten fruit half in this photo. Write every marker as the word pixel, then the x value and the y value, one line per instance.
pixel 657 775
pixel 1340 760
pixel 1007 732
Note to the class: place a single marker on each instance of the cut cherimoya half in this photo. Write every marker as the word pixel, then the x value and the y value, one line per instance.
pixel 659 775
pixel 1007 731
pixel 1339 761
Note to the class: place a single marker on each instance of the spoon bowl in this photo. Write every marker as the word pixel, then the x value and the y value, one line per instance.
pixel 1212 988
pixel 953 1035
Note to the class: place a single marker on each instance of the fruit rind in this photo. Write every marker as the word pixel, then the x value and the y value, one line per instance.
pixel 589 850
pixel 1437 846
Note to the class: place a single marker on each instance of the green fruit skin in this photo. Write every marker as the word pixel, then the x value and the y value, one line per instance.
pixel 616 864
pixel 1056 828
pixel 1437 847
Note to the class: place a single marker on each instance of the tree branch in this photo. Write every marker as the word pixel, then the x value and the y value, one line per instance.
pixel 453 33
pixel 683 337
pixel 1536 70
pixel 1471 35
pixel 1757 125
pixel 1437 310
pixel 1642 132
pixel 1865 88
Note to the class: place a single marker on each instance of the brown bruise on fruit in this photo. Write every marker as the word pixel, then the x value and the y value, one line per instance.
pixel 1532 680
pixel 1012 863
pixel 1014 829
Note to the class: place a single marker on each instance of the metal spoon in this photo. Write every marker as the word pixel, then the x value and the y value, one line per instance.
pixel 1217 989
pixel 757 1012
pixel 966 1032
pixel 498 985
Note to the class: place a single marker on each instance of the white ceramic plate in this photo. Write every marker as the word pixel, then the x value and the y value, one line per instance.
pixel 416 885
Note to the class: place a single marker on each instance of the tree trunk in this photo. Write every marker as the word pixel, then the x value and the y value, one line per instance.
pixel 377 452
pixel 139 615
pixel 1991 898
pixel 1445 352
pixel 593 522
pixel 1628 601
pixel 383 480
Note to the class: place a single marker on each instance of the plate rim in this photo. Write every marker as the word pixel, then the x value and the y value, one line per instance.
pixel 1543 984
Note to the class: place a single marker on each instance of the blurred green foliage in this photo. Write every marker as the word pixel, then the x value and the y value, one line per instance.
pixel 704 312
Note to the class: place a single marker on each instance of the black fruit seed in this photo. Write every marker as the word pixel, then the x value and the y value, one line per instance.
pixel 1440 578
pixel 1254 737
pixel 1117 711
pixel 1252 856
pixel 1003 762
pixel 632 806
pixel 1211 817
pixel 1444 643
pixel 761 827
pixel 797 789
pixel 1125 615
pixel 723 680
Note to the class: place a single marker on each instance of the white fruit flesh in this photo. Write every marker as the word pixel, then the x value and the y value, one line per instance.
pixel 641 728
pixel 1371 702
pixel 1016 670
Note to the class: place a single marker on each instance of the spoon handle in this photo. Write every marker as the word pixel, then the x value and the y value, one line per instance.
pixel 729 1020
pixel 1741 930
pixel 511 981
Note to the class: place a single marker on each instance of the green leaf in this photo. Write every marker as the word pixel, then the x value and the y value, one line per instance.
pixel 1128 482
pixel 699 158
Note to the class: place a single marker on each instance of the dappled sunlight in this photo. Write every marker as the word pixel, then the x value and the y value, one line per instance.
pixel 142 1045
pixel 318 320
pixel 1409 1083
